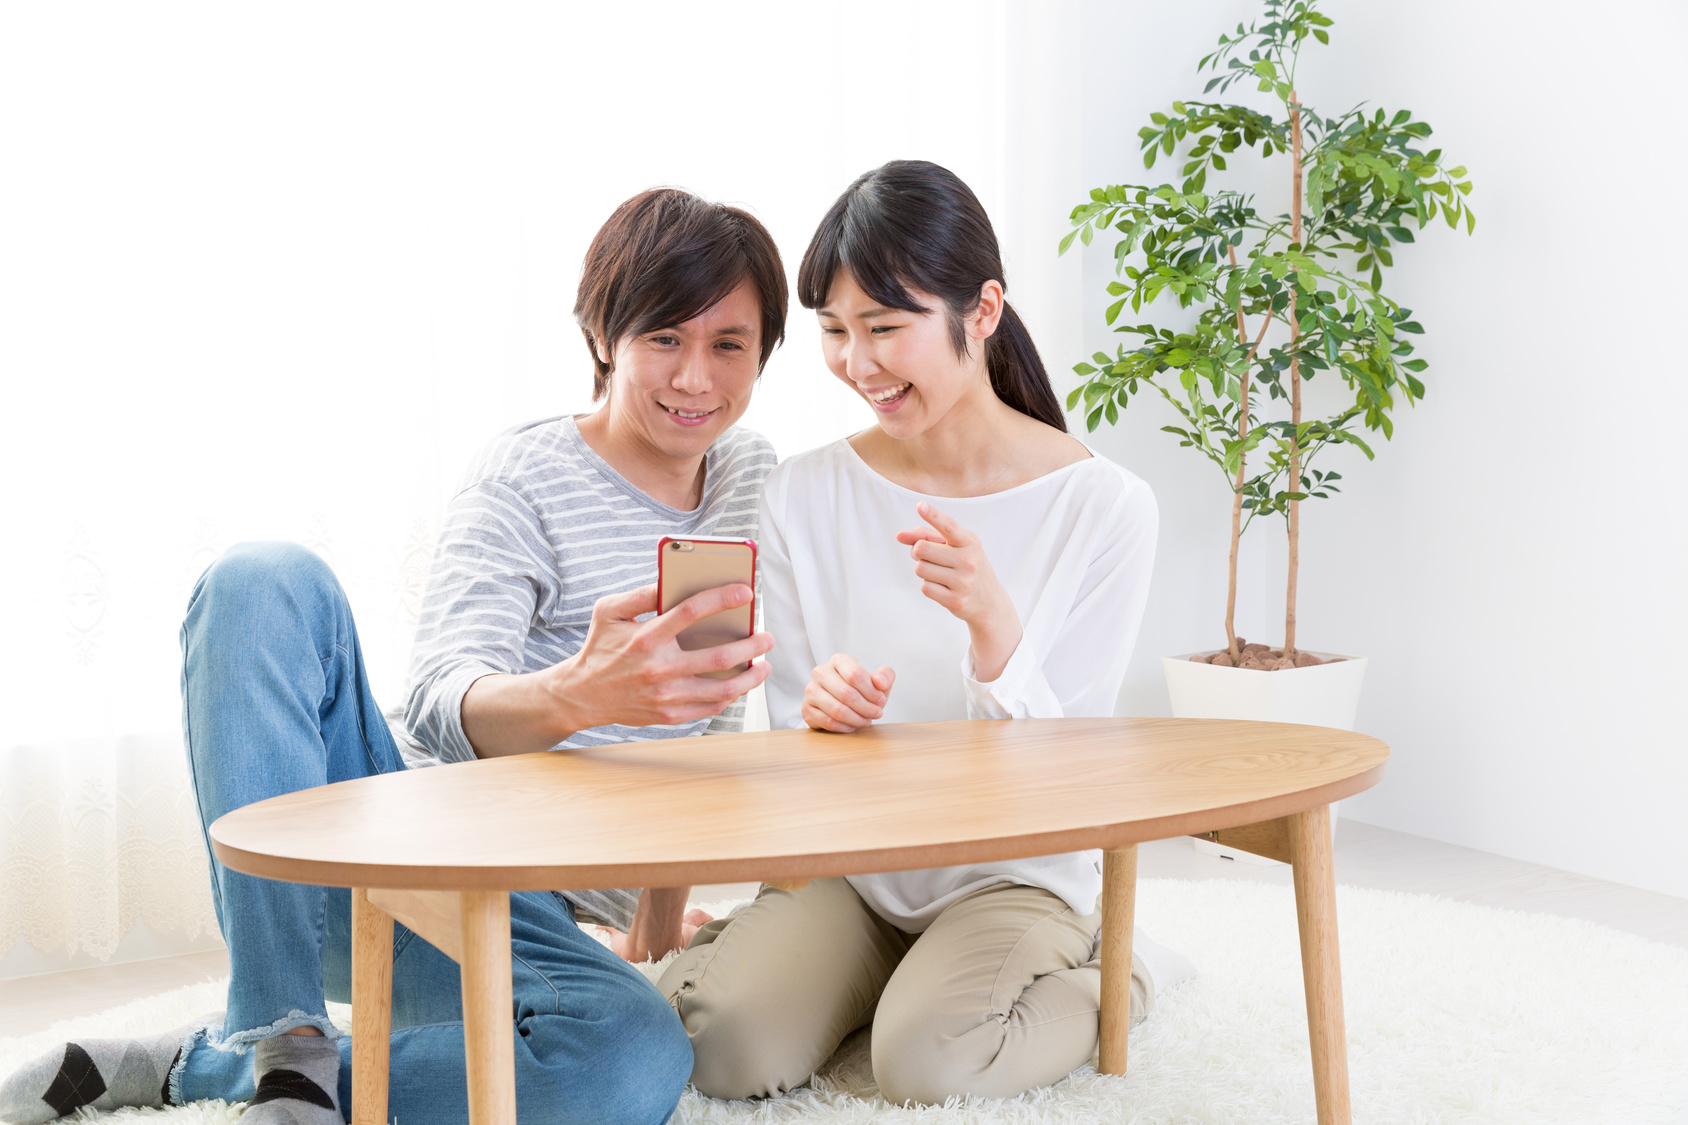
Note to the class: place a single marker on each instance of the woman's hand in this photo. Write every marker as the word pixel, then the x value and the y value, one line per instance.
pixel 954 572
pixel 842 696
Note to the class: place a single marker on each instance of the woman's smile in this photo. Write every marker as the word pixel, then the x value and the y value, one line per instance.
pixel 887 399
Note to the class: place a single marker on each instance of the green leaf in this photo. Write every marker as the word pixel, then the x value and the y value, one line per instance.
pixel 1066 243
pixel 1086 369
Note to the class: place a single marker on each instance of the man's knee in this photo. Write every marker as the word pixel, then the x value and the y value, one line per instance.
pixel 255 569
pixel 253 587
pixel 642 1069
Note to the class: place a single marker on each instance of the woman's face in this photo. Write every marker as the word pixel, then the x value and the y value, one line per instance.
pixel 676 390
pixel 904 363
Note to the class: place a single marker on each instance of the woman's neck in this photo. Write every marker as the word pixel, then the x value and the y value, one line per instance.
pixel 981 445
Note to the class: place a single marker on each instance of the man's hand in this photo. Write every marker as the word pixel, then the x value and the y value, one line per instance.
pixel 628 672
pixel 950 562
pixel 658 926
pixel 636 674
pixel 842 697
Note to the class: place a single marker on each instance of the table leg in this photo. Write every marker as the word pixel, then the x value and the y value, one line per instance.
pixel 1321 972
pixel 487 1008
pixel 1119 907
pixel 372 1008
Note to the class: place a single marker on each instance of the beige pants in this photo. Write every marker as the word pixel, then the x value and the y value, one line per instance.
pixel 1000 995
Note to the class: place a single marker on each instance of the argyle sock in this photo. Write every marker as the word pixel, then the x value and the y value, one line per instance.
pixel 298 1082
pixel 103 1073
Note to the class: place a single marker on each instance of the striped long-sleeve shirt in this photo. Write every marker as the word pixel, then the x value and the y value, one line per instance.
pixel 542 529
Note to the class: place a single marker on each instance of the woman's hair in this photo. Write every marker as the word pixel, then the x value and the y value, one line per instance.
pixel 912 223
pixel 664 257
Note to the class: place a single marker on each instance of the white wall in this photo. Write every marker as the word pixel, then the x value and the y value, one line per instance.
pixel 1513 561
pixel 277 272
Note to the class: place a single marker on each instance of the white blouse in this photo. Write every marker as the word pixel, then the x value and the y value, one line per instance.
pixel 1074 550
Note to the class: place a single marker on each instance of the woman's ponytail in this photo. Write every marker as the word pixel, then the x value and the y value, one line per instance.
pixel 1017 374
pixel 914 223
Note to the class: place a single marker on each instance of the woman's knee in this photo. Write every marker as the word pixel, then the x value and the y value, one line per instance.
pixel 738 1050
pixel 913 1063
pixel 926 1056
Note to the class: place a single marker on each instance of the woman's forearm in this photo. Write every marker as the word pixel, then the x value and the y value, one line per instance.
pixel 993 645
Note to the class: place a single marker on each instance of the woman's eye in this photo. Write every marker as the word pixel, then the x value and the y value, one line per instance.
pixel 832 332
pixel 881 329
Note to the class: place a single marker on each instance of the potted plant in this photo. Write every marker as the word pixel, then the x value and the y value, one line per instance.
pixel 1360 182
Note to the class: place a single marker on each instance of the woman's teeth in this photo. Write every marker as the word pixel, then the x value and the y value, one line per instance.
pixel 887 394
pixel 689 413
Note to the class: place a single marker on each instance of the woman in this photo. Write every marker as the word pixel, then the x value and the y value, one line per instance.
pixel 983 564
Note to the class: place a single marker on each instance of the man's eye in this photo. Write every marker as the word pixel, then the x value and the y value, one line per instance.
pixel 732 345
pixel 665 341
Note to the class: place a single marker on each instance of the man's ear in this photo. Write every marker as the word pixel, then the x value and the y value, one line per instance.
pixel 989 313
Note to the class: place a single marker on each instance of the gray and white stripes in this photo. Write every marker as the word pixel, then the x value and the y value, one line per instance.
pixel 542 529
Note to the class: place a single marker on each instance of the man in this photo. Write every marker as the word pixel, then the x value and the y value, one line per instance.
pixel 529 639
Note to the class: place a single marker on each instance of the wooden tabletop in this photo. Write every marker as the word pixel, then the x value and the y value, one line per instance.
pixel 790 804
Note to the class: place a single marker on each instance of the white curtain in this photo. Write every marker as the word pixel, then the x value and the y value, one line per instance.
pixel 276 272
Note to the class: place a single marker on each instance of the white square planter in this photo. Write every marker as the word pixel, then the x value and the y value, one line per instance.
pixel 1325 695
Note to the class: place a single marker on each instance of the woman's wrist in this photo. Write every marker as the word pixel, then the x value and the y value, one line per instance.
pixel 993 647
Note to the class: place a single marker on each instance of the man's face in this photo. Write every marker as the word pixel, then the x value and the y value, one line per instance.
pixel 677 389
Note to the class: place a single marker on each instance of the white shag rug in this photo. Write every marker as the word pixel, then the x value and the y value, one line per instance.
pixel 1456 1014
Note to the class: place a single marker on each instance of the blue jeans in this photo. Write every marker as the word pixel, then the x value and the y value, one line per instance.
pixel 275 699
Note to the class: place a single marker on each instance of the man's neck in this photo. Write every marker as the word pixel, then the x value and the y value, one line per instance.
pixel 675 481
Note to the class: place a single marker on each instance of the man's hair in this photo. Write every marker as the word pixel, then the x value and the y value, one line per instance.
pixel 666 256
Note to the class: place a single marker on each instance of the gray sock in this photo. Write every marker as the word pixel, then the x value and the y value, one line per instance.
pixel 298 1082
pixel 103 1073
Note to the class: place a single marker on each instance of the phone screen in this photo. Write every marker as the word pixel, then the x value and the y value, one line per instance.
pixel 691 565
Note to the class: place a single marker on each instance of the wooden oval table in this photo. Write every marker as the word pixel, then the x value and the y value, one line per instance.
pixel 441 849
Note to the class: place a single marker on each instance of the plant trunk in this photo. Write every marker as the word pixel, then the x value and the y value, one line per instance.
pixel 1237 490
pixel 1295 386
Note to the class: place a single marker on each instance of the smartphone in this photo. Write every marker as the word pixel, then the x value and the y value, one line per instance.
pixel 687 565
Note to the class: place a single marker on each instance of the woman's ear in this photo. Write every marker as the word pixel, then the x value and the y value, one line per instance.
pixel 989 313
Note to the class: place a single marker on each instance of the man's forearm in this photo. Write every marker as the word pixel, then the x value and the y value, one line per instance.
pixel 656 923
pixel 517 714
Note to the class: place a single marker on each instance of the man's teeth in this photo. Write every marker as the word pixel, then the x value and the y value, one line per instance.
pixel 688 413
pixel 888 393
